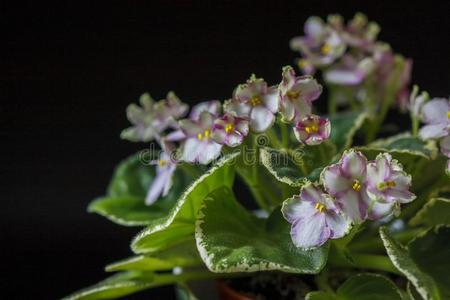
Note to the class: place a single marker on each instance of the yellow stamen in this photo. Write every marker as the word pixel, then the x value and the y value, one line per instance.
pixel 162 162
pixel 293 95
pixel 326 48
pixel 205 134
pixel 255 100
pixel 356 185
pixel 313 128
pixel 386 184
pixel 448 114
pixel 229 128
pixel 320 207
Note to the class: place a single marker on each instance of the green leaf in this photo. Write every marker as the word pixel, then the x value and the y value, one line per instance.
pixel 126 283
pixel 230 239
pixel 399 256
pixel 125 200
pixel 406 142
pixel 434 212
pixel 296 166
pixel 116 286
pixel 362 287
pixel 431 253
pixel 182 255
pixel 344 127
pixel 179 224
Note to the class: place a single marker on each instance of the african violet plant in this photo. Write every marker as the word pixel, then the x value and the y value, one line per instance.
pixel 335 200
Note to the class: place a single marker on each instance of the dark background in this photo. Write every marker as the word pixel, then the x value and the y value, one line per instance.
pixel 68 72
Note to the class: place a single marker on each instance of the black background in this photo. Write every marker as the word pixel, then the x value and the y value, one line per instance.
pixel 68 72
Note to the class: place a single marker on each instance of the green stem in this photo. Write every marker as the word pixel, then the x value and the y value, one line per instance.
pixel 321 280
pixel 284 135
pixel 365 261
pixel 415 125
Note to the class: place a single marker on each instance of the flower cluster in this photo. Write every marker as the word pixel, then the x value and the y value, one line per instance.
pixel 349 55
pixel 210 125
pixel 354 189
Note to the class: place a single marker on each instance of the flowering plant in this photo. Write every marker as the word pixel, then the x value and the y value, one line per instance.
pixel 338 194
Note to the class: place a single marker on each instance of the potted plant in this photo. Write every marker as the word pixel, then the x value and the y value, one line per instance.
pixel 351 204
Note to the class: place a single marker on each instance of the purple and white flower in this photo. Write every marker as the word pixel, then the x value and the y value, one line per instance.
pixel 230 130
pixel 314 217
pixel 359 32
pixel 312 130
pixel 255 101
pixel 213 106
pixel 321 44
pixel 199 146
pixel 346 182
pixel 165 168
pixel 153 118
pixel 436 114
pixel 297 94
pixel 387 186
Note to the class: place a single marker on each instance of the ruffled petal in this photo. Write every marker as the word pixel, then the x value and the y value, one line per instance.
pixel 353 205
pixel 333 181
pixel 380 210
pixel 338 224
pixel 261 118
pixel 214 107
pixel 354 164
pixel 237 108
pixel 295 209
pixel 191 150
pixel 311 232
pixel 211 151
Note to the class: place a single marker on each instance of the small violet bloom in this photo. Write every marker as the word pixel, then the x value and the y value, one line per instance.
pixel 387 185
pixel 214 107
pixel 153 118
pixel 436 114
pixel 346 182
pixel 230 130
pixel 314 217
pixel 255 101
pixel 312 130
pixel 199 147
pixel 297 94
pixel 320 46
pixel 165 168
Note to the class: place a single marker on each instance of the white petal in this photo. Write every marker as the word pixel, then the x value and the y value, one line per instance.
pixel 261 118
pixel 338 224
pixel 311 232
pixel 352 205
pixel 191 150
pixel 380 210
pixel 434 131
pixel 354 164
pixel 333 180
pixel 295 209
pixel 210 151
pixel 271 99
pixel 435 111
pixel 156 189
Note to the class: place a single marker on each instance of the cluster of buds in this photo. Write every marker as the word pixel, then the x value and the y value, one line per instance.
pixel 349 55
pixel 210 126
pixel 354 189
